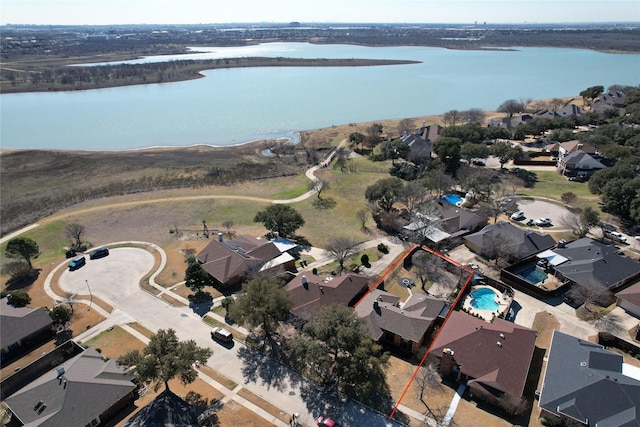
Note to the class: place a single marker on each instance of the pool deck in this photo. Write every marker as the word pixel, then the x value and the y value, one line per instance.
pixel 504 301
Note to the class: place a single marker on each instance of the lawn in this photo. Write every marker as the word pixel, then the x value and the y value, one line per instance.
pixel 115 342
pixel 552 185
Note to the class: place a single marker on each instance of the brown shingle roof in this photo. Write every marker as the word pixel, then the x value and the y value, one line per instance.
pixel 631 294
pixel 323 291
pixel 474 342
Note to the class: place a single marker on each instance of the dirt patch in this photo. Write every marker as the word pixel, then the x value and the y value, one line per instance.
pixel 115 342
pixel 263 404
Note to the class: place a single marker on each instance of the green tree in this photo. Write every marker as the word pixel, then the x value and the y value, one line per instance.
pixel 394 149
pixel 22 247
pixel 470 151
pixel 356 138
pixel 591 93
pixel 165 358
pixel 384 192
pixel 448 151
pixel 282 219
pixel 60 315
pixel 263 303
pixel 504 151
pixel 580 225
pixel 18 298
pixel 196 278
pixel 358 364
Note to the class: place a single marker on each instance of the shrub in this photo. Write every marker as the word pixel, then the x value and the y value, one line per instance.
pixel 19 298
pixel 314 270
pixel 364 259
pixel 383 248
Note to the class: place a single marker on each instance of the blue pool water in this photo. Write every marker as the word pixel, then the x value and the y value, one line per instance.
pixel 453 198
pixel 484 299
pixel 533 275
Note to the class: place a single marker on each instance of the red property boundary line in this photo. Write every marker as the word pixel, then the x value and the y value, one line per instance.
pixel 455 303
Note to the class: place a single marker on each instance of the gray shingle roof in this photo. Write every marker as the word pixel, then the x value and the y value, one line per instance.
pixel 593 261
pixel 87 388
pixel 17 323
pixel 166 410
pixel 585 382
pixel 522 243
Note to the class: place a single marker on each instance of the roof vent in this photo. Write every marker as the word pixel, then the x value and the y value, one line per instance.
pixel 583 364
pixel 499 344
pixel 502 335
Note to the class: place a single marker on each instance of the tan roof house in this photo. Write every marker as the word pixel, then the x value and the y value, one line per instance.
pixel 405 325
pixel 493 359
pixel 629 300
pixel 311 292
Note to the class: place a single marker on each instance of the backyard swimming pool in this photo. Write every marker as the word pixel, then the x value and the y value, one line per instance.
pixel 532 275
pixel 454 199
pixel 484 299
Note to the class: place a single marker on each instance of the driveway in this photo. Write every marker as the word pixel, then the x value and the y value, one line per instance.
pixel 534 209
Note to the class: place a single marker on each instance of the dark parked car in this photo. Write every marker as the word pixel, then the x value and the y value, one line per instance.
pixel 77 262
pixel 99 253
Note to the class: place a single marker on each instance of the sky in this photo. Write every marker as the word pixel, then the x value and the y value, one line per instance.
pixel 113 12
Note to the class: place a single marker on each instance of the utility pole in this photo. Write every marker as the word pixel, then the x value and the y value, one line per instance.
pixel 90 295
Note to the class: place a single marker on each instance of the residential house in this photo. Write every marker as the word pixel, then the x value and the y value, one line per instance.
pixel 567 110
pixel 579 163
pixel 585 261
pixel 451 222
pixel 22 328
pixel 492 359
pixel 503 238
pixel 419 148
pixel 311 292
pixel 82 391
pixel 228 262
pixel 510 123
pixel 629 300
pixel 166 410
pixel 586 383
pixel 615 100
pixel 406 325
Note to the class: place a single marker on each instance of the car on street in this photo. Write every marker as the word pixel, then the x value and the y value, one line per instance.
pixel 518 216
pixel 325 421
pixel 542 222
pixel 221 334
pixel 99 253
pixel 530 222
pixel 614 235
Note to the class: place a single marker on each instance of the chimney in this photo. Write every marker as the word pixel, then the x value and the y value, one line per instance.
pixel 304 282
pixel 447 362
pixel 219 237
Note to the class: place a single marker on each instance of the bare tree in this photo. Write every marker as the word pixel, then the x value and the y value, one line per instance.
pixel 228 225
pixel 427 267
pixel 593 296
pixel 439 180
pixel 341 248
pixel 451 117
pixel 405 125
pixel 498 246
pixel 362 216
pixel 514 405
pixel 473 115
pixel 525 103
pixel 318 185
pixel 412 195
pixel 581 224
pixel 75 231
pixel 425 383
pixel 511 107
pixel 555 104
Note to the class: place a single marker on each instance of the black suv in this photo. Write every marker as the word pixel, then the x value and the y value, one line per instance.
pixel 99 253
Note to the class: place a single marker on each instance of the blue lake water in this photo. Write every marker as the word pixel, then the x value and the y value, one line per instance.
pixel 233 106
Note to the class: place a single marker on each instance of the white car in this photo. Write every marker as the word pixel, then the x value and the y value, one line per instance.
pixel 541 222
pixel 614 235
pixel 518 216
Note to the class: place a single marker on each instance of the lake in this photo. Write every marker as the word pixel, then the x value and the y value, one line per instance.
pixel 233 106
